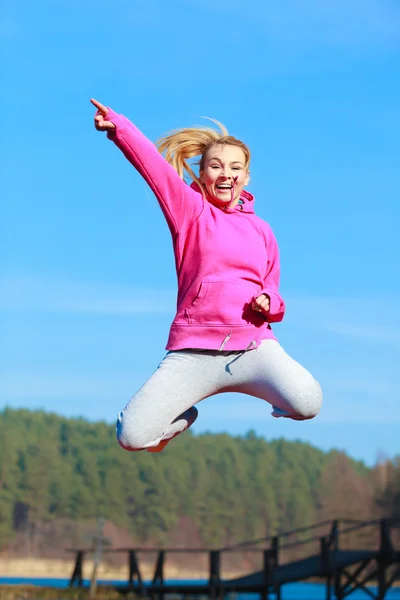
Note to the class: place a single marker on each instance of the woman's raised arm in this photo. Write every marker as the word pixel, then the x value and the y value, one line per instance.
pixel 180 204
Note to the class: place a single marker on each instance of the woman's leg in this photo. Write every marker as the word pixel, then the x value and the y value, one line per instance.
pixel 164 406
pixel 271 374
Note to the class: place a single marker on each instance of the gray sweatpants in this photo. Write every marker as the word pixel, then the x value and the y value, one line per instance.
pixel 162 407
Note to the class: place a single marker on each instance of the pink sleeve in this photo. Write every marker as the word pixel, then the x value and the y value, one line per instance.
pixel 271 280
pixel 180 204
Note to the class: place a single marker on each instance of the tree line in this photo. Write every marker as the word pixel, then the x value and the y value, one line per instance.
pixel 220 489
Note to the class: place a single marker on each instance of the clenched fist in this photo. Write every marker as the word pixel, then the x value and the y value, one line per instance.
pixel 261 304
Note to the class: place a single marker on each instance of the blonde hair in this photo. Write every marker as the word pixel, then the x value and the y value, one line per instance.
pixel 180 145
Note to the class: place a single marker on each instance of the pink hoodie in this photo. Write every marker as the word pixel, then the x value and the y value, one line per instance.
pixel 224 257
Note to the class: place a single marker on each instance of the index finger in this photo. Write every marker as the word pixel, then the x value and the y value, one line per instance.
pixel 103 110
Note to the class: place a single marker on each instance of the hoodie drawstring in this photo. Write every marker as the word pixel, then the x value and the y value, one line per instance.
pixel 226 340
pixel 252 344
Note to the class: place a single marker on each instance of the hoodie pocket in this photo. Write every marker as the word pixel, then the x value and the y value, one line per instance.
pixel 221 303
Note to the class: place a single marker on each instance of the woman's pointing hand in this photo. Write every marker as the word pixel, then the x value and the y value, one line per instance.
pixel 99 120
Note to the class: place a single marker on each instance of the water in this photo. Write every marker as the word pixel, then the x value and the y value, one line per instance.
pixel 290 591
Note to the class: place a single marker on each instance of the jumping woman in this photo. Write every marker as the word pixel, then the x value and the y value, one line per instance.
pixel 227 265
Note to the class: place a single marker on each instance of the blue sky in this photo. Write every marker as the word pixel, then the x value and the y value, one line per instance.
pixel 87 282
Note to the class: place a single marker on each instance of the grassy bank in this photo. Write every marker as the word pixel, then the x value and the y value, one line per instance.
pixel 35 593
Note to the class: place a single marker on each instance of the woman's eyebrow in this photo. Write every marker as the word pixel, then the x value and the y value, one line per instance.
pixel 234 162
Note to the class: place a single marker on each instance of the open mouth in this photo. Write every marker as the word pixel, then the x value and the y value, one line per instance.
pixel 224 187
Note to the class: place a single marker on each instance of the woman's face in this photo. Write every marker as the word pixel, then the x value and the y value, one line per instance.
pixel 223 164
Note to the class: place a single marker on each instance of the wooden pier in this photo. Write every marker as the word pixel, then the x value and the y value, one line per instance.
pixel 344 570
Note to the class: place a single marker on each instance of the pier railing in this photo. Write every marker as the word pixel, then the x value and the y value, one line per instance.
pixel 263 555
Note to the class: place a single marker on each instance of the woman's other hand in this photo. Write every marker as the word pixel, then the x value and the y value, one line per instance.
pixel 261 304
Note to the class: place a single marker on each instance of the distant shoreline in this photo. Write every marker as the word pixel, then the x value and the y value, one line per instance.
pixel 62 569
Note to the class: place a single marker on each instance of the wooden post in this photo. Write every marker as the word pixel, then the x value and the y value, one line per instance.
pixel 77 574
pixel 159 572
pixel 98 540
pixel 278 591
pixel 215 572
pixel 385 557
pixel 334 535
pixel 134 571
pixel 381 579
pixel 333 545
pixel 275 562
pixel 325 562
pixel 337 584
pixel 275 550
pixel 267 572
pixel 328 594
pixel 385 542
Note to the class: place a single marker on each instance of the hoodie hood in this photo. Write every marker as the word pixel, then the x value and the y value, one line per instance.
pixel 245 204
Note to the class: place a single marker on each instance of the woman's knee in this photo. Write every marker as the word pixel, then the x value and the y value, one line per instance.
pixel 310 403
pixel 130 435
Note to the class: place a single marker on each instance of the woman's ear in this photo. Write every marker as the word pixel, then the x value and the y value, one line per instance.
pixel 247 178
pixel 201 176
